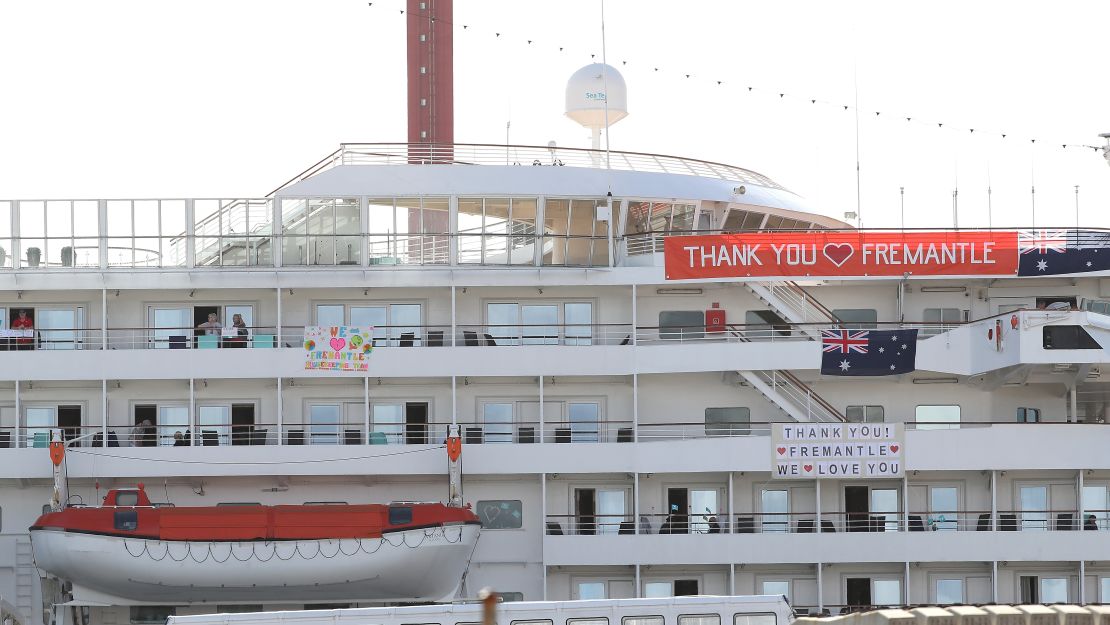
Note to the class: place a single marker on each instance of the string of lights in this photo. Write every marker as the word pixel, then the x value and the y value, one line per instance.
pixel 687 74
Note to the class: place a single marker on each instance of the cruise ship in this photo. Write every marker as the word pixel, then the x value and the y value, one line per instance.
pixel 668 376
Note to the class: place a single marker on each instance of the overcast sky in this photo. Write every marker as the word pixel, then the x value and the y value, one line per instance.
pixel 230 99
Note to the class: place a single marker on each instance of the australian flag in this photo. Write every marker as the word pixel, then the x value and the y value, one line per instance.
pixel 868 352
pixel 1056 252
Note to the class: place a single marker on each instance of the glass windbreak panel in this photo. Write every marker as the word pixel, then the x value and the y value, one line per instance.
pixel 584 424
pixel 407 226
pixel 1054 590
pixel 610 511
pixel 389 420
pixel 704 511
pixel 1034 508
pixel 504 323
pixel 682 218
pixel 950 591
pixel 32 233
pixel 540 324
pixel 776 588
pixel 556 224
pixel 294 232
pixel 657 589
pixel 582 235
pixel 59 233
pixel 884 503
pixel 39 422
pixel 681 324
pixel 864 414
pixel 376 317
pixel 470 224
pixel 735 421
pixel 887 592
pixel 937 417
pixel 172 327
pixel 324 424
pixel 213 422
pixel 1095 514
pixel 57 328
pixel 348 247
pixel 404 323
pixel 6 233
pixel 776 511
pixel 943 505
pixel 495 231
pixel 522 232
pixel 591 590
pixel 171 421
pixel 498 421
pixel 578 318
pixel 436 228
pixel 383 223
pixel 857 318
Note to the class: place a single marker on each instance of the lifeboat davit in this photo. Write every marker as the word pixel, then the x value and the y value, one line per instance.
pixel 128 549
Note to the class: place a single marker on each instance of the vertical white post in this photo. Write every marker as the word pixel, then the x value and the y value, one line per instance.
pixel 453 318
pixel 817 506
pixel 19 420
pixel 104 320
pixel 543 507
pixel 994 506
pixel 104 411
pixel 725 523
pixel 1074 407
pixel 366 409
pixel 192 412
pixel 102 236
pixel 635 407
pixel 277 337
pixel 454 402
pixel 453 241
pixel 1081 512
pixel 190 236
pixel 994 581
pixel 906 586
pixel 820 588
pixel 639 592
pixel 636 502
pixel 609 228
pixel 541 425
pixel 1082 581
pixel 906 505
pixel 633 314
pixel 732 578
pixel 280 421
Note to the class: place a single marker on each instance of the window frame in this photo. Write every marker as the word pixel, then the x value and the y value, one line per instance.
pixel 562 336
pixel 392 335
pixel 478 505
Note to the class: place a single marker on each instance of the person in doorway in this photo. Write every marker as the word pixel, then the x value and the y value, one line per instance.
pixel 23 322
pixel 212 327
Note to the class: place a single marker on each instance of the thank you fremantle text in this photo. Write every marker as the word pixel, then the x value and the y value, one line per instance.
pixel 838 450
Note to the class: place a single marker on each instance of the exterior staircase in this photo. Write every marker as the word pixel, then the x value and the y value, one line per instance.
pixel 26 577
pixel 794 304
pixel 791 395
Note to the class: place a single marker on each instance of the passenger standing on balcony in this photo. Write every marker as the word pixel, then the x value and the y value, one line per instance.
pixel 24 322
pixel 240 337
pixel 212 327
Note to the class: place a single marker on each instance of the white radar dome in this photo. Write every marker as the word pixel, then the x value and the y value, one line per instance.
pixel 589 89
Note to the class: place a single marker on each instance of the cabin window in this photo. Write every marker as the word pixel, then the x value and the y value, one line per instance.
pixel 753 619
pixel 938 320
pixel 1101 307
pixel 127 520
pixel 1068 337
pixel 1028 415
pixel 857 318
pixel 152 614
pixel 937 417
pixel 127 498
pixel 507 597
pixel 734 421
pixel 864 414
pixel 500 514
pixel 681 324
pixel 699 619
pixel 642 620
pixel 400 515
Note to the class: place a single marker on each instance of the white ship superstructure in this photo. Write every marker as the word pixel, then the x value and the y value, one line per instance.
pixel 599 403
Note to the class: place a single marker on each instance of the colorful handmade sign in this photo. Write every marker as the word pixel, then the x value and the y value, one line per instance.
pixel 338 348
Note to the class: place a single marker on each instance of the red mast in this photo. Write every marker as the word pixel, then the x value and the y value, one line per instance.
pixel 431 80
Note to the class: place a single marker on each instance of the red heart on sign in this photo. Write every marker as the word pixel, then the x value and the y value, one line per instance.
pixel 894 449
pixel 808 468
pixel 838 253
pixel 781 450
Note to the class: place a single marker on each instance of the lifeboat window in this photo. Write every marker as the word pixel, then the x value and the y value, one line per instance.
pixel 400 515
pixel 699 619
pixel 599 620
pixel 642 620
pixel 127 498
pixel 753 619
pixel 127 520
pixel 532 622
pixel 511 596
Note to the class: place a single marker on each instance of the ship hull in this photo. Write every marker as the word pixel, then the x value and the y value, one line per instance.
pixel 421 564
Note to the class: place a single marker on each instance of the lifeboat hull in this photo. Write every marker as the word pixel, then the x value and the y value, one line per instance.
pixel 420 564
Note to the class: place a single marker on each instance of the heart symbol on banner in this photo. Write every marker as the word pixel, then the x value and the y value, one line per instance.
pixel 838 253
pixel 338 344
pixel 781 450
pixel 808 468
pixel 894 449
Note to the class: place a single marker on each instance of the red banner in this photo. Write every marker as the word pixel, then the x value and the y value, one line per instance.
pixel 841 254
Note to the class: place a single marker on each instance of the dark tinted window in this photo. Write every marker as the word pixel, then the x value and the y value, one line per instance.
pixel 500 514
pixel 1068 337
pixel 399 515
pixel 151 613
pixel 681 324
pixel 127 520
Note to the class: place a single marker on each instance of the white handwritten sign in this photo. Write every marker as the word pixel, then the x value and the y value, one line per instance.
pixel 838 450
